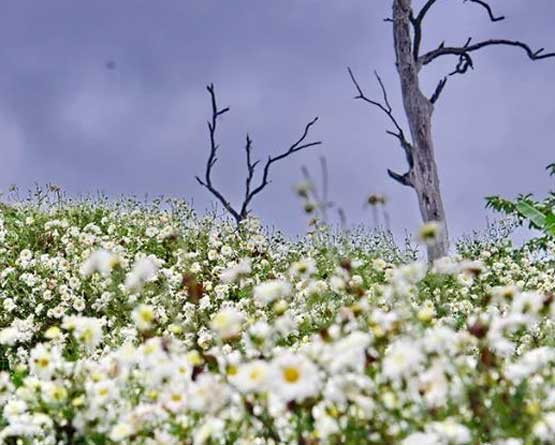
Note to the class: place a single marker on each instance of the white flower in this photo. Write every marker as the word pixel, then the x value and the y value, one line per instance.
pixel 409 274
pixel 14 408
pixel 422 439
pixel 101 261
pixel 237 271
pixel 337 284
pixel 144 317
pixel 121 431
pixel 544 429
pixel 9 336
pixel 349 353
pixel 294 377
pixel 325 425
pixel 451 432
pixel 530 363
pixel 207 394
pixel 430 232
pixel 211 429
pixel 402 359
pixel 251 377
pixel 303 268
pixel 144 270
pixel 227 323
pixel 87 330
pixel 528 303
pixel 272 290
pixel 43 361
pixel 434 386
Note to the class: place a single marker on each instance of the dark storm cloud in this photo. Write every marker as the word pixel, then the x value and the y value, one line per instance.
pixel 68 116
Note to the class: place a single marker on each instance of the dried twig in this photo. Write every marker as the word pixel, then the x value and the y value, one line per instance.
pixel 250 192
pixel 386 108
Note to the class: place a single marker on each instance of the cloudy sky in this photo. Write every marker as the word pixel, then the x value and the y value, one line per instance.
pixel 138 128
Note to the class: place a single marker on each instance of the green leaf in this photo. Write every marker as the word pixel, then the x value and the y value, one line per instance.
pixel 550 224
pixel 532 213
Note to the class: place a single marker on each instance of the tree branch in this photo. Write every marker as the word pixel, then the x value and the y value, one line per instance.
pixel 212 159
pixel 487 7
pixel 438 90
pixel 417 26
pixel 386 108
pixel 299 145
pixel 466 49
pixel 405 179
pixel 251 167
pixel 250 193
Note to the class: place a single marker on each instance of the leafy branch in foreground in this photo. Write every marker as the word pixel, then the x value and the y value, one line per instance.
pixel 241 212
pixel 540 215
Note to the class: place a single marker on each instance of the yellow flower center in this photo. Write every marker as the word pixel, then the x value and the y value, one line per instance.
pixel 176 397
pixel 147 314
pixel 256 374
pixel 291 375
pixel 43 362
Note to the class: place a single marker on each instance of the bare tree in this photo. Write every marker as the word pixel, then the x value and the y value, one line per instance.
pixel 241 212
pixel 422 174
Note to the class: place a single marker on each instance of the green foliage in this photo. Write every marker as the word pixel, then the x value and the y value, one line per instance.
pixel 539 215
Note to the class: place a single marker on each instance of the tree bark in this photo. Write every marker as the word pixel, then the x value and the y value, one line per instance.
pixel 423 175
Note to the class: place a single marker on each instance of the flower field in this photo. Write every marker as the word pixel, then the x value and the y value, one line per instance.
pixel 131 323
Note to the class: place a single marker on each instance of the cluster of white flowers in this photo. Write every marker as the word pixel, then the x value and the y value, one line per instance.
pixel 146 327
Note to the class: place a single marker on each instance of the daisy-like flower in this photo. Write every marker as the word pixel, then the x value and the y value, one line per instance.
pixel 144 317
pixel 272 290
pixel 243 268
pixel 403 358
pixel 422 438
pixel 121 431
pixel 430 232
pixel 294 377
pixel 303 268
pixel 251 377
pixel 528 303
pixel 207 394
pixel 227 323
pixel 451 432
pixel 144 270
pixel 101 261
pixel 9 336
pixel 43 361
pixel 87 330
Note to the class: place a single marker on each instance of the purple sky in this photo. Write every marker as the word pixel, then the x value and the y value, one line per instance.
pixel 141 127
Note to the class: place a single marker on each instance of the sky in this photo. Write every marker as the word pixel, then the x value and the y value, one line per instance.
pixel 110 96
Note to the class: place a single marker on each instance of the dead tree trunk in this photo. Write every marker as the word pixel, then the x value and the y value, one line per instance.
pixel 423 175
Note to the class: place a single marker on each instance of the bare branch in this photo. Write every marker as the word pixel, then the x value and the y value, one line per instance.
pixel 388 110
pixel 212 159
pixel 417 26
pixel 466 49
pixel 438 90
pixel 487 7
pixel 405 179
pixel 385 107
pixel 251 167
pixel 299 145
